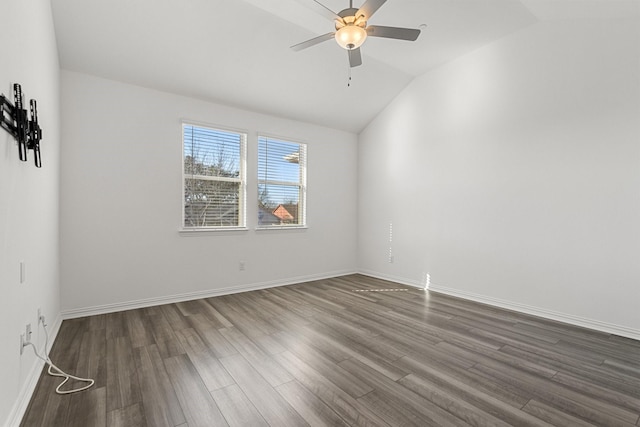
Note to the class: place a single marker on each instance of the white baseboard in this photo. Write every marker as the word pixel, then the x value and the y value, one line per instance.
pixel 396 279
pixel 170 299
pixel 596 325
pixel 29 386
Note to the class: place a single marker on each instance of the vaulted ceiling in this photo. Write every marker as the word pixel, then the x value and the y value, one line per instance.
pixel 237 52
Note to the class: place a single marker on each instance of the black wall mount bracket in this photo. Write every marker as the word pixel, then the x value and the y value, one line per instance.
pixel 26 132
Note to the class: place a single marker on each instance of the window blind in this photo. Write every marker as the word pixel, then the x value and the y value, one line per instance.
pixel 281 182
pixel 214 177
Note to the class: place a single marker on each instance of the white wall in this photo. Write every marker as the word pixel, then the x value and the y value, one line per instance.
pixel 121 201
pixel 28 199
pixel 512 176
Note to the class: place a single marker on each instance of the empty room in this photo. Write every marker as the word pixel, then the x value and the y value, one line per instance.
pixel 320 212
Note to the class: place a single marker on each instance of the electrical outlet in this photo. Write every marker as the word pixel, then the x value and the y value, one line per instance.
pixel 25 338
pixel 242 265
pixel 23 272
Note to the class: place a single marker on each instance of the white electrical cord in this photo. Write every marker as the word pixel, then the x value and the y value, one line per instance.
pixel 60 372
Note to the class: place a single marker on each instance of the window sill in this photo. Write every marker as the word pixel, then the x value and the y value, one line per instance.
pixel 204 231
pixel 282 227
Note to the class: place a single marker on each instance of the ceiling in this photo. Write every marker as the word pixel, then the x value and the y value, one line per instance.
pixel 237 52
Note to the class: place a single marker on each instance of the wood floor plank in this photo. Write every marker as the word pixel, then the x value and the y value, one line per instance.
pixel 188 308
pixel 602 347
pixel 285 300
pixel 463 390
pixel 479 354
pixel 160 328
pixel 564 399
pixel 387 410
pixel 361 337
pixel 97 322
pixel 595 373
pixel 268 344
pixel 92 361
pixel 552 415
pixel 319 300
pixel 218 344
pixel 129 416
pixel 234 309
pixel 349 409
pixel 309 406
pixel 601 393
pixel 66 351
pixel 139 328
pixel 116 325
pixel 331 370
pixel 123 388
pixel 175 318
pixel 403 398
pixel 509 395
pixel 161 405
pixel 259 360
pixel 170 348
pixel 365 354
pixel 35 410
pixel 625 368
pixel 88 409
pixel 214 314
pixel 211 370
pixel 198 406
pixel 275 410
pixel 451 403
pixel 46 407
pixel 314 339
pixel 190 341
pixel 237 408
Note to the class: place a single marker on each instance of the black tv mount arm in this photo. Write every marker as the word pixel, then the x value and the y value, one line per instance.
pixel 13 119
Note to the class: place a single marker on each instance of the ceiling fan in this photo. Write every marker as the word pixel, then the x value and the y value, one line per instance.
pixel 352 30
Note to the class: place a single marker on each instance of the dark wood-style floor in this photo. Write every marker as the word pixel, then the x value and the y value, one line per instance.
pixel 338 352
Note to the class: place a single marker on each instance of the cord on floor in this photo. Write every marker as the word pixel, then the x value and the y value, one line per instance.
pixel 57 372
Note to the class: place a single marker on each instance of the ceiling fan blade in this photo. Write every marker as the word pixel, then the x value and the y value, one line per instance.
pixel 355 57
pixel 322 9
pixel 312 42
pixel 393 32
pixel 369 8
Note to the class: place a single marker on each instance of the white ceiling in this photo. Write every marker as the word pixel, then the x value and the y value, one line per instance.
pixel 237 52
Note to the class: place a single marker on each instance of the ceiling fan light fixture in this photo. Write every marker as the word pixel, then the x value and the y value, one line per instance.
pixel 351 36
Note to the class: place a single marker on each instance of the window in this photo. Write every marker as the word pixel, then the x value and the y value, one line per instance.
pixel 213 177
pixel 282 179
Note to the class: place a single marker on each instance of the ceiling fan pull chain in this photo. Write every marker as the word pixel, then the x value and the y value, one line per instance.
pixel 349 79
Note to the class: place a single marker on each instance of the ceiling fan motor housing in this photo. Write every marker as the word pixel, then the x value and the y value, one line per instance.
pixel 351 29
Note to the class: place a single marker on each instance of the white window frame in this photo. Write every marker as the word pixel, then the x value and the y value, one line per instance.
pixel 242 179
pixel 301 183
